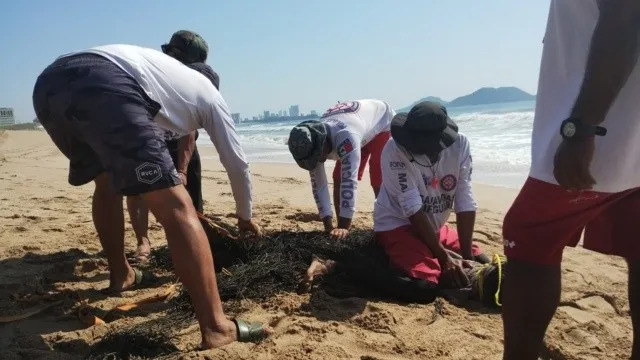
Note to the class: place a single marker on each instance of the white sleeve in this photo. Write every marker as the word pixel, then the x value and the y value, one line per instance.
pixel 348 148
pixel 320 189
pixel 222 132
pixel 398 181
pixel 464 200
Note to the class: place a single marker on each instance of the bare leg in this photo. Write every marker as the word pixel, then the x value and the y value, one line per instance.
pixel 530 297
pixel 193 261
pixel 108 218
pixel 634 298
pixel 139 215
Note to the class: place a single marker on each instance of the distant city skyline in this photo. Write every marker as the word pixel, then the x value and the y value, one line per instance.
pixel 439 48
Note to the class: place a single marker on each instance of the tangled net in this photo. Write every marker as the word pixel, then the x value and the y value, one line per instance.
pixel 274 264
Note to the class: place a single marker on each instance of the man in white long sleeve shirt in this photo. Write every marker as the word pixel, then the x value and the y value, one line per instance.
pixel 351 133
pixel 106 109
pixel 426 172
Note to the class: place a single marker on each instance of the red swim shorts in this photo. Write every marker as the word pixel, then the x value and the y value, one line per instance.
pixel 408 253
pixel 372 151
pixel 545 218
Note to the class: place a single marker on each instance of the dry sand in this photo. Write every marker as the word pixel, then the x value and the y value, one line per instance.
pixel 48 243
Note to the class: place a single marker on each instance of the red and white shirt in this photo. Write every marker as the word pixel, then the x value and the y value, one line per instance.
pixel 616 161
pixel 352 125
pixel 411 183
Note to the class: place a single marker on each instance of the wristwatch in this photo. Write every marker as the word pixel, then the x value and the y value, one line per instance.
pixel 576 129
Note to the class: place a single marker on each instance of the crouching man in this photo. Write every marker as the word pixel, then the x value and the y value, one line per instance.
pixel 426 172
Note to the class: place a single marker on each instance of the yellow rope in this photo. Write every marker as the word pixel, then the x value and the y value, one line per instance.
pixel 497 259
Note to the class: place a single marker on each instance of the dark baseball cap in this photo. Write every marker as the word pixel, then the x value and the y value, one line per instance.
pixel 187 46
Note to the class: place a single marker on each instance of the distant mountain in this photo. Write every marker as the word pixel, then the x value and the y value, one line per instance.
pixel 428 98
pixel 492 96
pixel 481 96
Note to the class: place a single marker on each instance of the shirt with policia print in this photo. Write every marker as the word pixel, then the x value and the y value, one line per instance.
pixel 351 125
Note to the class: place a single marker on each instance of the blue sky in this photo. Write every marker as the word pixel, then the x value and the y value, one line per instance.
pixel 271 54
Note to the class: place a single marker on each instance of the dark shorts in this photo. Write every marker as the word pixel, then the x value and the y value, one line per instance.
pixel 194 181
pixel 102 121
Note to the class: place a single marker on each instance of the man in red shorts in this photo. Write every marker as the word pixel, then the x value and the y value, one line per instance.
pixel 589 86
pixel 350 132
pixel 426 172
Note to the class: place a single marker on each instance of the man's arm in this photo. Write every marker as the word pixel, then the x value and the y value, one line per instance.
pixel 222 132
pixel 465 223
pixel 186 145
pixel 348 148
pixel 464 203
pixel 613 53
pixel 452 273
pixel 320 189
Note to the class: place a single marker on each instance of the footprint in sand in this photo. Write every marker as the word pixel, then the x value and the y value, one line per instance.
pixel 303 217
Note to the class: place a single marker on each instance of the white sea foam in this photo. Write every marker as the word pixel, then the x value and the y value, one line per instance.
pixel 500 137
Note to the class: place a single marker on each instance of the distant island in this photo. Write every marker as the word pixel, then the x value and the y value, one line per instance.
pixel 486 95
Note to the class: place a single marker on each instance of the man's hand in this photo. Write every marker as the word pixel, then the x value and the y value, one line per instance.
pixel 248 226
pixel 183 177
pixel 571 164
pixel 339 234
pixel 452 272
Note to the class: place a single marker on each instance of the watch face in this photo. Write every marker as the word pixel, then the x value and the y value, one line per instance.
pixel 569 129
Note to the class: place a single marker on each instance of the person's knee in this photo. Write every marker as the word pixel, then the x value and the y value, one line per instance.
pixel 169 204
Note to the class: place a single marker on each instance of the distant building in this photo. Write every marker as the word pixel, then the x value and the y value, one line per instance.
pixel 294 110
pixel 314 113
pixel 236 118
pixel 266 114
pixel 255 118
pixel 6 117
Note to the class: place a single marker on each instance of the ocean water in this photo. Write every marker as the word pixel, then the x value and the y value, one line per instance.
pixel 500 137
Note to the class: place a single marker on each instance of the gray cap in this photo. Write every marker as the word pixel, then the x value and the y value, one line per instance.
pixel 306 142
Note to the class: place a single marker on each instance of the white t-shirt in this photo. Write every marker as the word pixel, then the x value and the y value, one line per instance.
pixel 352 125
pixel 189 101
pixel 408 185
pixel 616 162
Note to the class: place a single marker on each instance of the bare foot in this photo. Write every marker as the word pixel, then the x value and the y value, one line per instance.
pixel 143 251
pixel 226 334
pixel 215 339
pixel 318 267
pixel 118 284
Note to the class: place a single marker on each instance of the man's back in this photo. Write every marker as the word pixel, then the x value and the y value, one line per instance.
pixel 183 93
pixel 366 118
pixel 566 46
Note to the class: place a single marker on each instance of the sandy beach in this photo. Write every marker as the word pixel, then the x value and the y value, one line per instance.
pixel 48 244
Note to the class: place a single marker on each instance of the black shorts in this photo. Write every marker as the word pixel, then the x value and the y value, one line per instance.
pixel 194 179
pixel 102 121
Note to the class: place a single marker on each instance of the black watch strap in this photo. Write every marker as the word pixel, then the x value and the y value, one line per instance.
pixel 575 129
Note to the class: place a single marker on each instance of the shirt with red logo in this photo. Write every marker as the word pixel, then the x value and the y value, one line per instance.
pixel 411 183
pixel 352 125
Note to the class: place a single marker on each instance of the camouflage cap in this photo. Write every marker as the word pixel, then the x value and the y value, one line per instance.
pixel 187 46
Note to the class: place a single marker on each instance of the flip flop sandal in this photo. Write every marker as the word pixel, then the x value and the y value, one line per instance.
pixel 249 332
pixel 142 279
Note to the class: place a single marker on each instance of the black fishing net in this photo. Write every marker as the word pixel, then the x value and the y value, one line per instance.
pixel 259 269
